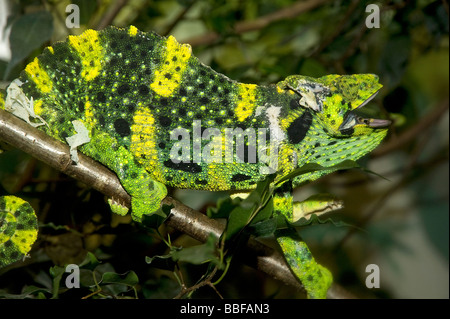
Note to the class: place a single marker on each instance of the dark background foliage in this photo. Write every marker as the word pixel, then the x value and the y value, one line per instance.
pixel 400 223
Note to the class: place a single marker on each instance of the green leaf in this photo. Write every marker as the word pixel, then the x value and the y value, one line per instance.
pixel 90 262
pixel 255 203
pixel 314 167
pixel 199 254
pixel 162 261
pixel 264 228
pixel 223 208
pixel 129 278
pixel 27 291
pixel 56 272
pixel 28 33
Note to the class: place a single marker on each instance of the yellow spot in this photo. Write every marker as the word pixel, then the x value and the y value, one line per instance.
pixel 24 239
pixel 132 31
pixel 89 115
pixel 39 76
pixel 90 52
pixel 218 176
pixel 37 107
pixel 286 164
pixel 143 142
pixel 51 50
pixel 168 76
pixel 279 90
pixel 246 104
pixel 2 100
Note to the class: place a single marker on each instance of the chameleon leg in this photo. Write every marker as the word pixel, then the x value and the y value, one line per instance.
pixel 315 278
pixel 146 193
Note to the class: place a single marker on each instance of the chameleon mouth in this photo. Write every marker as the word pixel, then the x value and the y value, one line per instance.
pixel 353 119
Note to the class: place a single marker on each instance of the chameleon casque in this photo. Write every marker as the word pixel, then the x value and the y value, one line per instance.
pixel 157 117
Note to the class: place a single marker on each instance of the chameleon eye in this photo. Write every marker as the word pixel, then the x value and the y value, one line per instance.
pixel 363 120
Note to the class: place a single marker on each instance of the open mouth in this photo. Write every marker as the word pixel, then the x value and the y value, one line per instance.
pixel 353 119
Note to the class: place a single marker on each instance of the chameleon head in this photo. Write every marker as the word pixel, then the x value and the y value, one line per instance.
pixel 336 99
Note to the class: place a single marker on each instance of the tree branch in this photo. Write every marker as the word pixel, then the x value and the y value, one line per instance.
pixel 56 154
pixel 245 26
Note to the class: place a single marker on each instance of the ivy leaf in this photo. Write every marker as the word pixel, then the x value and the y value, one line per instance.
pixel 255 203
pixel 264 228
pixel 199 254
pixel 129 278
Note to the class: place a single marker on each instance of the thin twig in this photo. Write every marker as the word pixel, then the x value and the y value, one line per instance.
pixel 245 26
pixel 178 18
pixel 110 14
pixel 428 120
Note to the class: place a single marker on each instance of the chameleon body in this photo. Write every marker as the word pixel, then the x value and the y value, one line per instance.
pixel 158 117
pixel 18 229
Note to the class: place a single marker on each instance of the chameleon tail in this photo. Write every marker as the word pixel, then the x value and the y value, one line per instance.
pixel 315 278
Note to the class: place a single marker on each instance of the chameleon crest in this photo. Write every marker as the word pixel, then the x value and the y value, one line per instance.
pixel 155 115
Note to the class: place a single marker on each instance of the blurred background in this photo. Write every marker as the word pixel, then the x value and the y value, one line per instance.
pixel 399 222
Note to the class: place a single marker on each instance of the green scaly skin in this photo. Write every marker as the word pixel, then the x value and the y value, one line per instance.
pixel 18 229
pixel 131 90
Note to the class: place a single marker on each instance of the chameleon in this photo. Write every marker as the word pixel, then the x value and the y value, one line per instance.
pixel 144 106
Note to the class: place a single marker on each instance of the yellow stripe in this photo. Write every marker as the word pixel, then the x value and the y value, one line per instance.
pixel 39 76
pixel 291 117
pixel 90 52
pixel 168 76
pixel 246 104
pixel 218 176
pixel 37 104
pixel 143 142
pixel 132 31
pixel 89 121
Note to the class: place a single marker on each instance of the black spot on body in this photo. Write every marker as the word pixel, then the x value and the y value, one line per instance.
pixel 240 177
pixel 201 182
pixel 165 121
pixel 122 127
pixel 164 101
pixel 348 131
pixel 299 128
pixel 185 167
pixel 101 120
pixel 294 104
pixel 182 92
pixel 101 97
pixel 123 89
pixel 143 89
